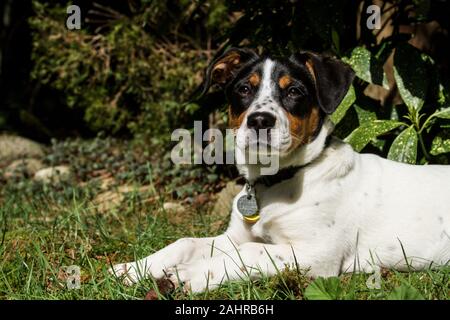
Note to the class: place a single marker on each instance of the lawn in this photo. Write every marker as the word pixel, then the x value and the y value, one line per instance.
pixel 114 211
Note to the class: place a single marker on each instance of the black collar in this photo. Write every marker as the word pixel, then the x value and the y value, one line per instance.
pixel 281 175
pixel 285 173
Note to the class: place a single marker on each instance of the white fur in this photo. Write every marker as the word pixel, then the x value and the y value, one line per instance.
pixel 345 212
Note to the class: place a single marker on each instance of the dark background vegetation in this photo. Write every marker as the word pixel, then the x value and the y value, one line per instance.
pixel 131 69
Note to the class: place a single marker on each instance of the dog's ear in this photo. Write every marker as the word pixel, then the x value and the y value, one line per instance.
pixel 224 68
pixel 332 78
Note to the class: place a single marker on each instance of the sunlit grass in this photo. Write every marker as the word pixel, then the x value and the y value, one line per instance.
pixel 43 234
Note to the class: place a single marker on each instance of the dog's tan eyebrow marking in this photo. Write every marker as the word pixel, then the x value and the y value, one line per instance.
pixel 284 81
pixel 254 79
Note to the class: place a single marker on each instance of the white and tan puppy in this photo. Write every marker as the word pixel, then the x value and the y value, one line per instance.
pixel 329 209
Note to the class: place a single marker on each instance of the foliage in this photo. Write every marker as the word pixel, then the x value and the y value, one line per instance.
pixel 137 69
pixel 405 292
pixel 107 158
pixel 122 74
pixel 333 288
pixel 324 289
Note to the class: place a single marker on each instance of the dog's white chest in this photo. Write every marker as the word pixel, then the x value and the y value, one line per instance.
pixel 284 224
pixel 272 233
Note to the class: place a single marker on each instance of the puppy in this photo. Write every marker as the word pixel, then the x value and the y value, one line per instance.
pixel 328 209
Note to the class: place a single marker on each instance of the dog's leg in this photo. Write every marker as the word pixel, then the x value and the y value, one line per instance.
pixel 183 251
pixel 248 260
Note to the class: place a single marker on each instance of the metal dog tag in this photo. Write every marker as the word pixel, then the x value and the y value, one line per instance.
pixel 247 204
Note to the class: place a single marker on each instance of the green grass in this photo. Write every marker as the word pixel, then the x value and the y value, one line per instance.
pixel 44 228
pixel 42 234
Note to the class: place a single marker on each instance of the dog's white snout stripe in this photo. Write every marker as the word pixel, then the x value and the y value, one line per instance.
pixel 264 101
pixel 265 91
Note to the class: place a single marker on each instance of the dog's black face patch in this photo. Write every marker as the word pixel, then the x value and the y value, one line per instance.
pixel 332 78
pixel 243 89
pixel 294 87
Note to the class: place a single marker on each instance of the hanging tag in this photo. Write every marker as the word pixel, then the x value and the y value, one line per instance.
pixel 248 206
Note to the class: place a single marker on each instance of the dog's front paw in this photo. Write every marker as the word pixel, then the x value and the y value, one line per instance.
pixel 192 277
pixel 128 272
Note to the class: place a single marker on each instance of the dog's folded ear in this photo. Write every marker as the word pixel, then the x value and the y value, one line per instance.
pixel 224 68
pixel 332 78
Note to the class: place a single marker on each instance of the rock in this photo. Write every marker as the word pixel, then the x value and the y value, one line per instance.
pixel 173 207
pixel 15 147
pixel 27 167
pixel 225 198
pixel 109 200
pixel 53 174
pixel 105 182
pixel 222 207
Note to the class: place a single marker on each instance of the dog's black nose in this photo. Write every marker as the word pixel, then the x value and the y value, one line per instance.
pixel 261 120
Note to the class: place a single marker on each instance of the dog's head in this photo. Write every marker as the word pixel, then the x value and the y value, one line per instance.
pixel 288 98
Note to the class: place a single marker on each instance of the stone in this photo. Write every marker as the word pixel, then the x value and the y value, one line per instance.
pixel 173 207
pixel 225 197
pixel 16 147
pixel 223 206
pixel 27 167
pixel 53 174
pixel 111 199
pixel 108 200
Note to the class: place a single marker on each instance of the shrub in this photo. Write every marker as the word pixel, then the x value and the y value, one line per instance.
pixel 123 74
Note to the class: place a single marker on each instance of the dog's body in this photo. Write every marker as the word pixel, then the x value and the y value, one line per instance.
pixel 340 212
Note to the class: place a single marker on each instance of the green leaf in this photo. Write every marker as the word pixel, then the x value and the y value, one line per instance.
pixel 324 289
pixel 444 113
pixel 364 115
pixel 410 74
pixel 367 67
pixel 346 103
pixel 362 135
pixel 443 97
pixel 405 292
pixel 404 147
pixel 335 39
pixel 440 144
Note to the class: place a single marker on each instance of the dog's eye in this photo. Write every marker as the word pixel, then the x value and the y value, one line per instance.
pixel 244 90
pixel 294 92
